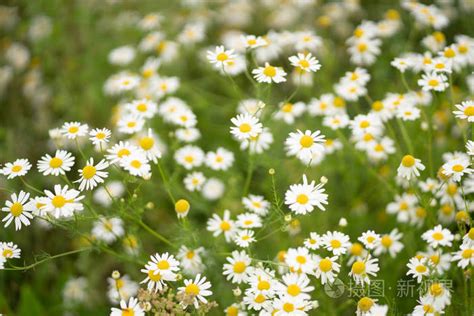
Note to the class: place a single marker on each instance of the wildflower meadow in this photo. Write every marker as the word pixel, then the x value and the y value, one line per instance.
pixel 236 157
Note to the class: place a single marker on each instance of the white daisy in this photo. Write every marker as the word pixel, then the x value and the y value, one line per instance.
pixel 302 198
pixel 100 136
pixel 244 238
pixel 327 269
pixel 438 236
pixel 57 165
pixel 72 130
pixel 132 308
pixel 269 73
pixel 336 242
pixel 224 225
pixel 221 159
pixel 108 229
pixel 92 175
pixel 18 209
pixel 194 181
pixel 196 289
pixel 64 202
pixel 456 168
pixel 361 269
pixel 238 268
pixel 246 126
pixel 306 62
pixel 409 167
pixel 18 168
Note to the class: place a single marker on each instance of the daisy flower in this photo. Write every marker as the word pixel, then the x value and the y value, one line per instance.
pixel 439 294
pixel 196 289
pixel 224 225
pixel 249 220
pixel 191 259
pixel 18 168
pixel 9 250
pixel 189 156
pixel 418 267
pixel 303 145
pixel 300 260
pixel 262 281
pixel 433 82
pixel 252 41
pixel 132 308
pixel 246 126
pixel 194 181
pixel 313 242
pixel 108 229
pixel 256 204
pixel 72 130
pixel 62 203
pixel 465 256
pixel 389 243
pixel 18 209
pixel 259 143
pixel 256 301
pixel 409 167
pixel 438 236
pixel 302 198
pixel 221 159
pixel 269 73
pixel 370 239
pixel 238 268
pixel 220 57
pixel 289 111
pixel 99 136
pixel 361 269
pixel 149 144
pixel 120 151
pixel 289 306
pixel 121 288
pixel 306 62
pixel 295 285
pixel 144 108
pixel 92 175
pixel 130 124
pixel 456 168
pixel 336 242
pixel 244 238
pixel 327 269
pixel 465 111
pixel 470 148
pixel 57 165
pixel 159 269
pixel 425 307
pixel 136 164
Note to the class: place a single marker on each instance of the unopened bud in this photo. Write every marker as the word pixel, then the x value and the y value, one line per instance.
pixel 115 275
pixel 271 171
pixel 343 222
pixel 237 291
pixel 323 180
pixel 288 218
pixel 150 205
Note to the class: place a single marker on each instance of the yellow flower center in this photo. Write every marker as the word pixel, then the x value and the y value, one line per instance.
pixel 301 259
pixel 263 285
pixel 302 199
pixel 225 226
pixel 17 168
pixel 58 201
pixel 365 304
pixel 245 128
pixel 364 124
pixel 190 254
pixel 306 141
pixel 7 253
pixel 192 289
pixel 55 162
pixel 377 106
pixel 163 265
pixel 16 209
pixel 467 253
pixel 123 152
pixel 232 311
pixel 335 244
pixel 356 249
pixel 136 164
pixel 131 124
pixel 293 290
pixel 469 111
pixel 239 267
pixel 222 57
pixel 386 241
pixel 303 63
pixel 269 71
pixel 142 107
pixel 362 47
pixel 88 172
pixel 288 307
pixel 437 236
pixel 408 161
pixel 428 309
pixel 358 267
pixel 146 143
pixel 154 277
pixel 128 312
pixel 73 129
pixel 287 108
pixel 449 53
pixel 420 268
pixel 260 299
pixel 325 265
pixel 182 206
pixel 433 82
pixel 436 289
